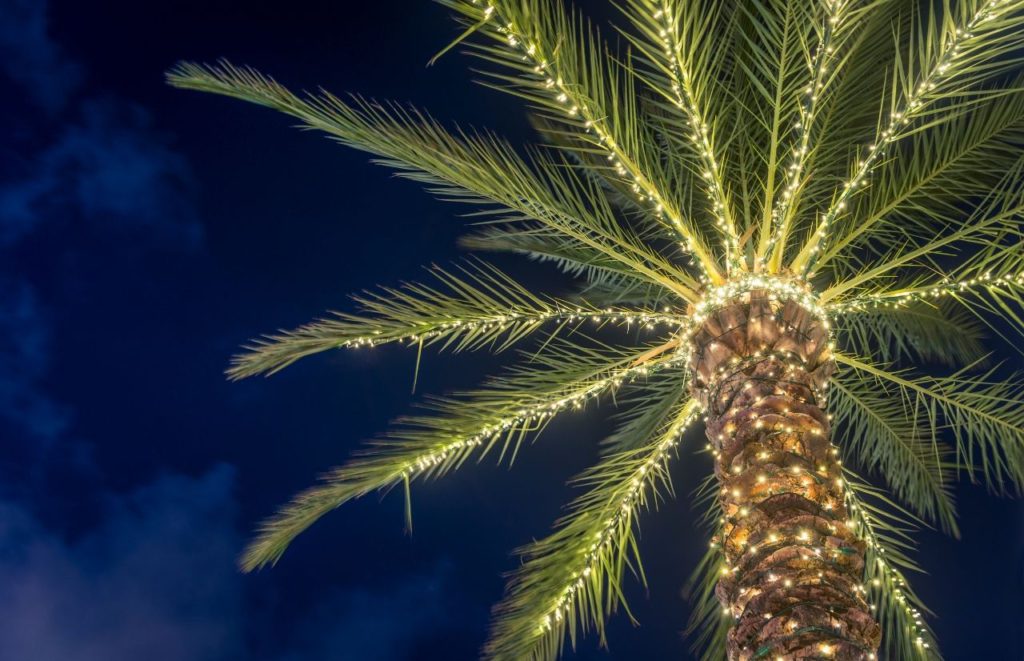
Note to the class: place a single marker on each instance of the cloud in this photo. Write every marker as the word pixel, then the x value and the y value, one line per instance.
pixel 97 158
pixel 96 162
pixel 29 56
pixel 111 169
pixel 154 580
pixel 24 362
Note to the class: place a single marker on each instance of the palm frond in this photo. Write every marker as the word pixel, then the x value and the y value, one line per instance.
pixel 644 410
pixel 482 308
pixel 862 76
pixel 565 376
pixel 571 580
pixel 881 431
pixel 476 168
pixel 935 174
pixel 979 244
pixel 709 623
pixel 835 24
pixel 940 332
pixel 558 64
pixel 983 414
pixel 672 41
pixel 769 75
pixel 545 245
pixel 954 52
pixel 887 529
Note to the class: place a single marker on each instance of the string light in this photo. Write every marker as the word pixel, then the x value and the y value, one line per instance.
pixel 894 299
pixel 497 322
pixel 777 288
pixel 534 413
pixel 812 540
pixel 883 581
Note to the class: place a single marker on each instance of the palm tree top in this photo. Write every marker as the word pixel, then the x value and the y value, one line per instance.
pixel 860 159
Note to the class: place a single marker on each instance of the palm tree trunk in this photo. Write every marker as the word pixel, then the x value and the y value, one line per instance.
pixel 793 574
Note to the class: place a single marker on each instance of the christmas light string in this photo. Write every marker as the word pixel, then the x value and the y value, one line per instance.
pixel 903 297
pixel 884 584
pixel 533 414
pixel 505 321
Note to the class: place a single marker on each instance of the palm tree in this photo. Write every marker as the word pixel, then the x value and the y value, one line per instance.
pixel 809 214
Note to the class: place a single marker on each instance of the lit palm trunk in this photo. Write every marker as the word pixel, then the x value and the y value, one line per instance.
pixel 793 569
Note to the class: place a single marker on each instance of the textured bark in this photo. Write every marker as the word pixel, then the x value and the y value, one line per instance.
pixel 794 569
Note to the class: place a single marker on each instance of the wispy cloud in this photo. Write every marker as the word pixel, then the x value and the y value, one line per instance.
pixel 151 574
pixel 94 158
pixel 156 579
pixel 108 167
pixel 29 57
pixel 153 580
pixel 24 362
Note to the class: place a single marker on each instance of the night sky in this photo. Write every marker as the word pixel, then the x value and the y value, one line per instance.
pixel 146 232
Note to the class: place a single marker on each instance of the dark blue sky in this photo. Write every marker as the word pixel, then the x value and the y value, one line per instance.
pixel 146 232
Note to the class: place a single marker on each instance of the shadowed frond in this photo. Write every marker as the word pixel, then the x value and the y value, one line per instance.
pixel 823 53
pixel 709 622
pixel 983 414
pixel 935 174
pixel 886 436
pixel 927 331
pixel 983 247
pixel 644 410
pixel 545 245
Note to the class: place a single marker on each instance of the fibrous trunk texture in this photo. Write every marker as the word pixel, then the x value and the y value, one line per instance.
pixel 793 568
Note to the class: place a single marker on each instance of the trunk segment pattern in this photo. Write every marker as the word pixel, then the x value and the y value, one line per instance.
pixel 793 568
